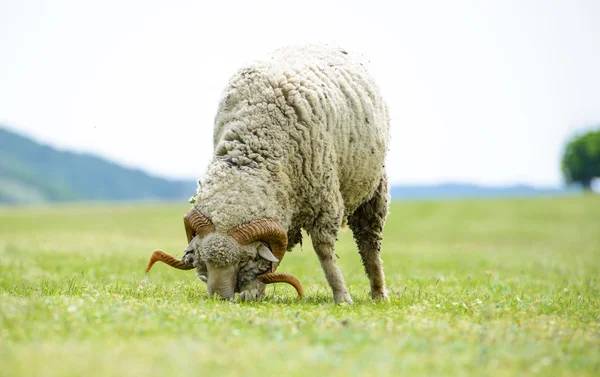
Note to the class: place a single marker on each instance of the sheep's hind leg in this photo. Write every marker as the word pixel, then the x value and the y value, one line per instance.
pixel 323 240
pixel 367 224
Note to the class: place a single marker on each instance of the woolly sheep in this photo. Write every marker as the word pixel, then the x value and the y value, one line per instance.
pixel 299 142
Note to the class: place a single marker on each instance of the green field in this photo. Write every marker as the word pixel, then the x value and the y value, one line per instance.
pixel 494 288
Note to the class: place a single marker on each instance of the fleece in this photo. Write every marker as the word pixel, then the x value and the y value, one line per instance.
pixel 299 137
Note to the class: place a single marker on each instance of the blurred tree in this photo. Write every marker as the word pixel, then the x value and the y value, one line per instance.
pixel 581 159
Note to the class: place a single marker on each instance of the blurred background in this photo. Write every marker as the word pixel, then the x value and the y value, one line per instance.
pixel 115 100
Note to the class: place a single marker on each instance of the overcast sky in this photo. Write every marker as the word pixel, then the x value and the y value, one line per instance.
pixel 479 91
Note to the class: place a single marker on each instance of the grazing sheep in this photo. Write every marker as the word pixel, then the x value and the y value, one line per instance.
pixel 299 143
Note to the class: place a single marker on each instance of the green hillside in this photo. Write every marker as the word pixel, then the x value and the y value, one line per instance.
pixel 31 172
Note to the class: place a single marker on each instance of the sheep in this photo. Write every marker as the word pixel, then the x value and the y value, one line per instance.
pixel 300 141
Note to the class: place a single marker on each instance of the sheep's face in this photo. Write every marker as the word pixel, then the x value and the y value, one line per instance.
pixel 228 267
pixel 241 260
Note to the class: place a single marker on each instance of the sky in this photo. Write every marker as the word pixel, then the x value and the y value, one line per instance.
pixel 484 92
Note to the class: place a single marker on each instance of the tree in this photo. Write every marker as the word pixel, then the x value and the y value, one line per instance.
pixel 581 159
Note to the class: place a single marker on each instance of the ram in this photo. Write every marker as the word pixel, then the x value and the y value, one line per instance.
pixel 300 140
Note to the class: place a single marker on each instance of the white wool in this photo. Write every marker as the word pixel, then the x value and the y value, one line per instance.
pixel 298 136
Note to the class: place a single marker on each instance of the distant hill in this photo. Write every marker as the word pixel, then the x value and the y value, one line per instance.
pixel 32 172
pixel 463 190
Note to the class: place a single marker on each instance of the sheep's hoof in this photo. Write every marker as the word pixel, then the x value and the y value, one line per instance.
pixel 343 298
pixel 380 295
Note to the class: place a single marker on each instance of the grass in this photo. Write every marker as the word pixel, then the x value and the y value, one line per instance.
pixel 495 288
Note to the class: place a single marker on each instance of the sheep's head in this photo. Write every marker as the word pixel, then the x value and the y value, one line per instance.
pixel 241 260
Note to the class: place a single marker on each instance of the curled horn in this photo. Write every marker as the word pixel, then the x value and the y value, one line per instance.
pixel 265 230
pixel 161 256
pixel 279 277
pixel 196 224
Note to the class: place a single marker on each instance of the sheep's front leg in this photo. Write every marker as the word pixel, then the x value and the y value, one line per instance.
pixel 323 234
pixel 333 274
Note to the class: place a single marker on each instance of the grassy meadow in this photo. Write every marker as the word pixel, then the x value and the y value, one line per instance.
pixel 494 288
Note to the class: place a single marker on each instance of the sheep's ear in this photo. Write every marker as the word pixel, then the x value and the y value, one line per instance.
pixel 266 253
